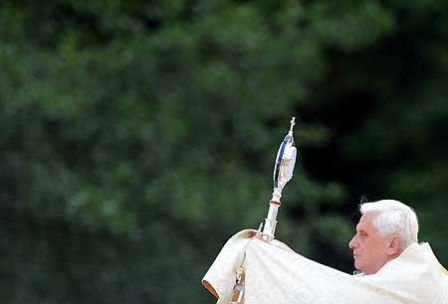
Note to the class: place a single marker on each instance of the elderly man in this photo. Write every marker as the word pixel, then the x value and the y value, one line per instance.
pixel 395 268
pixel 385 230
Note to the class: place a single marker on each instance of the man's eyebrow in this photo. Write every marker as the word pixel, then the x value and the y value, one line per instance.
pixel 360 229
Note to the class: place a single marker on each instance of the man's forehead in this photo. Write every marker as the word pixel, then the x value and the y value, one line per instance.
pixel 366 220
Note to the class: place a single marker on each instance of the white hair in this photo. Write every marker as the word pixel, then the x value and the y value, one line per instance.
pixel 394 217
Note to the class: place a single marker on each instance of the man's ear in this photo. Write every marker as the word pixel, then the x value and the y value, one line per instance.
pixel 395 246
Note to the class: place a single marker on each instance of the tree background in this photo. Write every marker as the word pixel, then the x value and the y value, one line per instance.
pixel 138 136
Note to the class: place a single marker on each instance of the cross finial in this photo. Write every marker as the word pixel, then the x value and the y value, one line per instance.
pixel 293 123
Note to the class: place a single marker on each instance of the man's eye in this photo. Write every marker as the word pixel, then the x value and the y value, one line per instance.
pixel 363 234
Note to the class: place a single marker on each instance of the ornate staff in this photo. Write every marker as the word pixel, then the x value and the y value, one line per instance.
pixel 283 171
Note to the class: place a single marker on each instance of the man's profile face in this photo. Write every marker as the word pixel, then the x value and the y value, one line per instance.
pixel 370 249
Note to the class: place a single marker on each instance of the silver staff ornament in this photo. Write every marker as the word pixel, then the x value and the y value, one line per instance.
pixel 283 171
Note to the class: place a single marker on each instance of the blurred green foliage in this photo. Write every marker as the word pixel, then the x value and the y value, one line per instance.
pixel 138 136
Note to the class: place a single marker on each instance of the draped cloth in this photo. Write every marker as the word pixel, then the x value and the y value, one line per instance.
pixel 276 274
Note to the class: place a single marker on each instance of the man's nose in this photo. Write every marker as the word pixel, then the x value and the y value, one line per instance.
pixel 353 243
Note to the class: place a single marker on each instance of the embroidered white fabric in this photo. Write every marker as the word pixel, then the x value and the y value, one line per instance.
pixel 276 274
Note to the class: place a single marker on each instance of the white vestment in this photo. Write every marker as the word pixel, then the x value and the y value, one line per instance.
pixel 276 274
